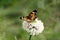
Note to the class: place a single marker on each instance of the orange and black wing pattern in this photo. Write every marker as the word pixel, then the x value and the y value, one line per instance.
pixel 32 16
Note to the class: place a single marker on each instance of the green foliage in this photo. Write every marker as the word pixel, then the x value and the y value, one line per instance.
pixel 48 1
pixel 58 6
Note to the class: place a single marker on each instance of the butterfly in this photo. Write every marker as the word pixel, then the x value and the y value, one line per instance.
pixel 31 17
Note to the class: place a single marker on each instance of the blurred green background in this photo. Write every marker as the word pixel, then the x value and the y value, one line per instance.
pixel 11 25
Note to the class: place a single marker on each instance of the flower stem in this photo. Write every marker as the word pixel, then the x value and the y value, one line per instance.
pixel 30 37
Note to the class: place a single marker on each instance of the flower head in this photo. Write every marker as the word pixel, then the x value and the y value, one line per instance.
pixel 34 28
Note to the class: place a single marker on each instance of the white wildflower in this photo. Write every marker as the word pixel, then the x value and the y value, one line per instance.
pixel 34 28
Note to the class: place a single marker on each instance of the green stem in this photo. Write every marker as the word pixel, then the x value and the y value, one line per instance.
pixel 30 37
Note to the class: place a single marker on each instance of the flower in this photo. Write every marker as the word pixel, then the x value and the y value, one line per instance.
pixel 34 28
